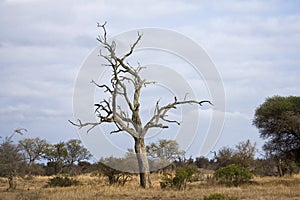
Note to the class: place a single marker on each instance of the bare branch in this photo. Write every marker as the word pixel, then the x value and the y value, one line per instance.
pixel 80 124
pixel 170 121
pixel 125 95
pixel 132 47
pixel 123 74
pixel 102 86
pixel 161 112
pixel 104 30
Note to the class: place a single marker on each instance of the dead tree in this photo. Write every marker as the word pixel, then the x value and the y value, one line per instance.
pixel 108 111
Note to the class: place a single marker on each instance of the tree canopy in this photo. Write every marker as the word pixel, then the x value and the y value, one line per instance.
pixel 278 120
pixel 32 149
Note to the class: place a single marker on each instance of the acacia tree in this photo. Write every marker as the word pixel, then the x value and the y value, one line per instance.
pixel 278 120
pixel 124 77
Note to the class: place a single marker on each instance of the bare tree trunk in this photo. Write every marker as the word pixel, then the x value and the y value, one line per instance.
pixel 29 168
pixel 140 150
pixel 279 167
pixel 11 183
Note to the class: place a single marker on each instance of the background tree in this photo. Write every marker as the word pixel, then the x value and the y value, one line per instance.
pixel 244 155
pixel 278 121
pixel 163 153
pixel 76 152
pixel 165 150
pixel 56 154
pixel 203 162
pixel 224 157
pixel 127 118
pixel 11 160
pixel 32 149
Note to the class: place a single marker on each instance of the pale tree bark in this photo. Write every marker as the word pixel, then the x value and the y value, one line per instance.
pixel 108 111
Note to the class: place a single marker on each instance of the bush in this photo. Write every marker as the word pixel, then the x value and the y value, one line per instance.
pixel 166 182
pixel 233 175
pixel 60 181
pixel 182 176
pixel 217 196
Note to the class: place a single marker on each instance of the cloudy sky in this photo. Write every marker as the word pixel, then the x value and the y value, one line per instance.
pixel 255 46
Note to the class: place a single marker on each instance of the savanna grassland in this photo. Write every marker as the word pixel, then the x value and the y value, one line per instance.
pixel 95 187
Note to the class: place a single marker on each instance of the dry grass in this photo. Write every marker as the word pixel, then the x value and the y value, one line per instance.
pixel 96 188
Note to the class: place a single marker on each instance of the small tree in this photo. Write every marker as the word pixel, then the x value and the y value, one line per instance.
pixel 224 157
pixel 11 159
pixel 182 176
pixel 244 155
pixel 128 118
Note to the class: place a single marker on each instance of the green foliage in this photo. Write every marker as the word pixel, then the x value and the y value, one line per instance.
pixel 218 196
pixel 278 120
pixel 182 176
pixel 62 181
pixel 233 175
pixel 166 182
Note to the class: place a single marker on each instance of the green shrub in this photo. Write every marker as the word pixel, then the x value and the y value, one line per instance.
pixel 60 181
pixel 166 182
pixel 233 175
pixel 182 176
pixel 217 196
